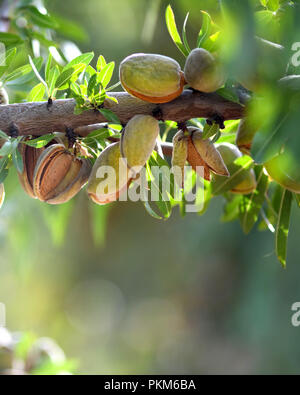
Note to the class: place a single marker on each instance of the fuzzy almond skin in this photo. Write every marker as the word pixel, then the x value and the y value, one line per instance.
pixel 150 77
pixel 230 153
pixel 138 141
pixel 281 170
pixel 202 72
pixel 209 153
pixel 179 155
pixel 102 188
pixel 245 134
pixel 2 195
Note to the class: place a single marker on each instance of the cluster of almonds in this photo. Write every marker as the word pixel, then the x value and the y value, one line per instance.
pixel 159 79
pixel 126 158
pixel 54 174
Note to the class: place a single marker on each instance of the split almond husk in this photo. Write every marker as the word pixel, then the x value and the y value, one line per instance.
pixel 179 156
pixel 59 175
pixel 30 157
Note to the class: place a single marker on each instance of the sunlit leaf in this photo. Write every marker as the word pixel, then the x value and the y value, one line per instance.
pixel 172 28
pixel 251 204
pixel 105 74
pixel 40 141
pixel 205 30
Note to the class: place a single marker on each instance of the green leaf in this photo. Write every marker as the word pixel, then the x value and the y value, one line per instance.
pixel 106 73
pixel 210 130
pixel 70 29
pixel 24 73
pixel 48 67
pixel 3 135
pixel 110 116
pixel 6 62
pixel 184 37
pixel 3 168
pixel 91 85
pixel 39 77
pixel 231 208
pixel 85 59
pixel 207 197
pixel 18 160
pixel 282 227
pixel 172 28
pixel 7 148
pixel 251 204
pixel 40 141
pixel 205 30
pixel 150 211
pixel 53 75
pixel 157 182
pixel 297 199
pixel 101 63
pixel 19 72
pixel 228 94
pixel 9 39
pixel 238 171
pixel 68 75
pixel 42 20
pixel 37 93
pixel 274 5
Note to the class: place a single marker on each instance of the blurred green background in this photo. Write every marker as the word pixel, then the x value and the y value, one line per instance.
pixel 142 296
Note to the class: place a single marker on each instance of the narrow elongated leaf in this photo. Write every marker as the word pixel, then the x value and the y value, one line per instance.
pixel 150 211
pixel 238 171
pixel 231 208
pixel 43 20
pixel 40 141
pixel 282 228
pixel 106 73
pixel 18 160
pixel 101 63
pixel 6 60
pixel 172 28
pixel 3 169
pixel 9 39
pixel 7 148
pixel 19 72
pixel 71 74
pixel 39 77
pixel 53 75
pixel 210 130
pixel 109 115
pixel 251 204
pixel 48 67
pixel 85 59
pixel 205 30
pixel 25 73
pixel 37 93
pixel 184 37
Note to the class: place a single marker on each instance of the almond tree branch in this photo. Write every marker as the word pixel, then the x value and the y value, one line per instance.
pixel 37 118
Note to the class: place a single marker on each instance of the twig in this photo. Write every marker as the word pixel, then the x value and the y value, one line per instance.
pixel 35 119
